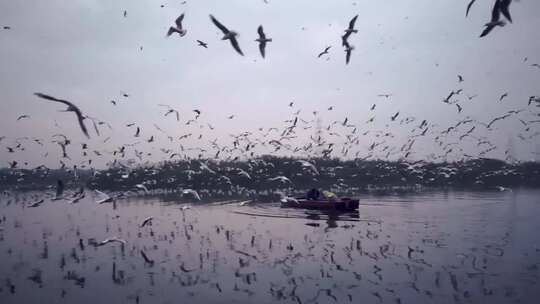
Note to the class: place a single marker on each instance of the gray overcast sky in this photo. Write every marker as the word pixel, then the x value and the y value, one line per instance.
pixel 87 52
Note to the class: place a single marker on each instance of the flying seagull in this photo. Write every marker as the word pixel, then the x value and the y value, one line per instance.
pixel 228 35
pixel 324 52
pixel 71 108
pixel 500 6
pixel 147 221
pixel 170 111
pixel 178 29
pixel 262 40
pixel 203 44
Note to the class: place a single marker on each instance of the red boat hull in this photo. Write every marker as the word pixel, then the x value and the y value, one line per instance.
pixel 344 204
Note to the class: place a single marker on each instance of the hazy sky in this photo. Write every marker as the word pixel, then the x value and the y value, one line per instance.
pixel 87 52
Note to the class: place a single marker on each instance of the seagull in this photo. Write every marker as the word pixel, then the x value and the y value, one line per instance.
pixel 37 204
pixel 228 35
pixel 281 179
pixel 178 29
pixel 262 40
pixel 309 165
pixel 145 257
pixel 460 78
pixel 22 117
pixel 106 198
pixel 500 6
pixel 71 108
pixel 203 44
pixel 503 96
pixel 192 193
pixel 147 221
pixel 394 116
pixel 110 240
pixel 142 187
pixel 324 52
pixel 171 110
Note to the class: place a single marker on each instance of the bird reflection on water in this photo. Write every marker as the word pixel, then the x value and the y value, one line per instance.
pixel 446 247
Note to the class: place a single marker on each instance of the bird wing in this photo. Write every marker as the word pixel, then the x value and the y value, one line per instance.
pixel 177 116
pixel 487 30
pixel 81 122
pixel 219 25
pixel 344 38
pixel 262 47
pixel 171 31
pixel 352 22
pixel 261 32
pixel 504 6
pixel 469 7
pixel 496 12
pixel 69 104
pixel 95 127
pixel 235 45
pixel 348 56
pixel 178 21
pixel 48 97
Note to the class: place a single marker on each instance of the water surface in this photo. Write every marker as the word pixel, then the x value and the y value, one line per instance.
pixel 436 247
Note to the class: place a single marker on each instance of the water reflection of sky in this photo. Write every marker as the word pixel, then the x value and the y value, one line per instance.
pixel 422 248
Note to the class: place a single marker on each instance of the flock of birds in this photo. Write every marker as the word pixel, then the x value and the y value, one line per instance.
pixel 373 261
pixel 338 138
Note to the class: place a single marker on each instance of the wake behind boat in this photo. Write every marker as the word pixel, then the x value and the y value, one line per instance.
pixel 341 204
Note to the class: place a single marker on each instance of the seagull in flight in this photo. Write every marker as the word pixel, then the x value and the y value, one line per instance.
pixel 500 7
pixel 262 40
pixel 228 35
pixel 110 240
pixel 71 108
pixel 178 29
pixel 147 221
pixel 203 44
pixel 170 111
pixel 324 52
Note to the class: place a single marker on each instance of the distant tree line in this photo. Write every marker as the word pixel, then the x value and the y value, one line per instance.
pixel 272 173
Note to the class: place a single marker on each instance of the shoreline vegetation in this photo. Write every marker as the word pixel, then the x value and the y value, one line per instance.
pixel 270 173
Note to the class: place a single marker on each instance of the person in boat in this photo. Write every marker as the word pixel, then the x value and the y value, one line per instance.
pixel 313 194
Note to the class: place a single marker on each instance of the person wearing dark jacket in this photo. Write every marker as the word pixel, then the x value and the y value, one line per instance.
pixel 313 194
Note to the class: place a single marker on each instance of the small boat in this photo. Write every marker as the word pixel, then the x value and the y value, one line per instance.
pixel 342 204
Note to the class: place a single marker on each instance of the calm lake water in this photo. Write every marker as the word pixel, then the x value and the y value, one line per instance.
pixel 436 247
